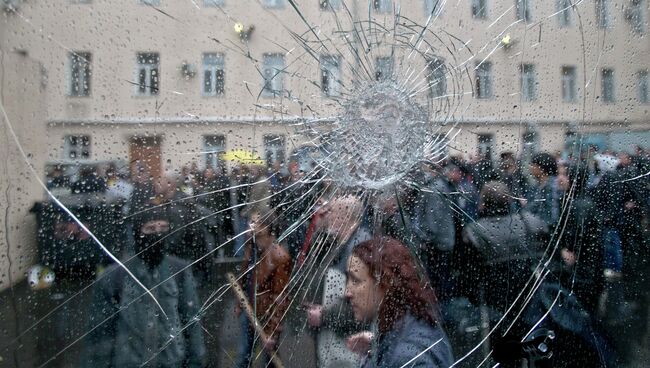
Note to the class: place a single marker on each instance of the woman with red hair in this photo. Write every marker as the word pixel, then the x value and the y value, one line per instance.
pixel 385 287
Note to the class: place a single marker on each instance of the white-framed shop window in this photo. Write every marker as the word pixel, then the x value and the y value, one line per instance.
pixel 213 146
pixel 274 148
pixel 272 73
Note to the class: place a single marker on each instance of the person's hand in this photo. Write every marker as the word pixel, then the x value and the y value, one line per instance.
pixel 359 343
pixel 314 315
pixel 269 344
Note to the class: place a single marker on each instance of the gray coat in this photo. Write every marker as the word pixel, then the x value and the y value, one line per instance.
pixel 507 249
pixel 127 328
pixel 411 338
pixel 509 237
pixel 433 220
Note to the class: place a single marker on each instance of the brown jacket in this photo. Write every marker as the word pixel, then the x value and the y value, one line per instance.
pixel 271 277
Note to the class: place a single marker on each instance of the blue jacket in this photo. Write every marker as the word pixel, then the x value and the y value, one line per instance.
pixel 408 338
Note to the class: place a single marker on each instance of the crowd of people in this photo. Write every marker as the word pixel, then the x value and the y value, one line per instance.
pixel 384 279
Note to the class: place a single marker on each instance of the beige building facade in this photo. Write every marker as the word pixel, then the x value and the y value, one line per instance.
pixel 177 78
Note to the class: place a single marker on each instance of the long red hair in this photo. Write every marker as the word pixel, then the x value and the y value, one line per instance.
pixel 394 269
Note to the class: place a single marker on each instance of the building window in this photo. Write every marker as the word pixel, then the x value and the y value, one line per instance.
pixel 437 78
pixel 273 4
pixel 433 7
pixel 150 2
pixel 524 10
pixel 272 69
pixel 213 74
pixel 607 84
pixel 77 147
pixel 383 68
pixel 569 85
pixel 479 9
pixel 213 3
pixel 484 80
pixel 80 73
pixel 528 82
pixel 564 13
pixel 213 146
pixel 330 4
pixel 530 143
pixel 382 6
pixel 602 13
pixel 148 73
pixel 274 148
pixel 644 86
pixel 330 75
pixel 635 15
pixel 485 146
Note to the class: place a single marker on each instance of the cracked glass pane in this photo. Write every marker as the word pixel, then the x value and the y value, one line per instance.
pixel 349 183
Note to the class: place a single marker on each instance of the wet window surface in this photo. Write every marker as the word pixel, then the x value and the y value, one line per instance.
pixel 324 183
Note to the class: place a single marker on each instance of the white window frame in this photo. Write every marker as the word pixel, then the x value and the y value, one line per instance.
pixel 643 85
pixel 330 75
pixel 569 78
pixel 382 6
pixel 272 74
pixel 73 146
pixel 149 68
pixel 274 148
pixel 528 82
pixel 437 77
pixel 530 143
pixel 433 7
pixel 484 83
pixel 564 13
pixel 79 64
pixel 213 64
pixel 608 85
pixel 524 10
pixel 480 9
pixel 603 14
pixel 213 146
